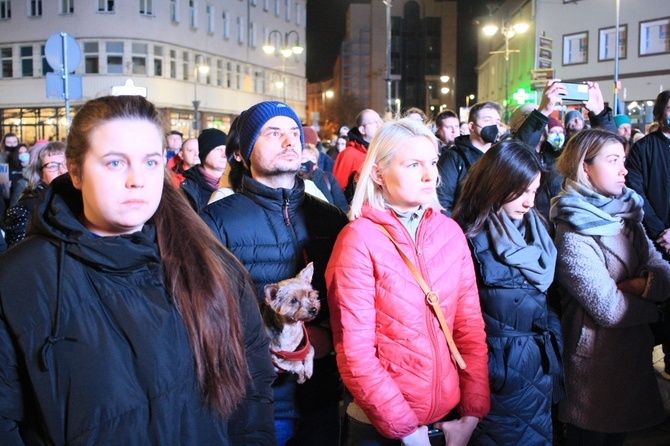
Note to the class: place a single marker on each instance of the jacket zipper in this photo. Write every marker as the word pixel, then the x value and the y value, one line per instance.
pixel 287 220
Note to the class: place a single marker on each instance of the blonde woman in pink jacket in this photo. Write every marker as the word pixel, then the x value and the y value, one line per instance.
pixel 391 350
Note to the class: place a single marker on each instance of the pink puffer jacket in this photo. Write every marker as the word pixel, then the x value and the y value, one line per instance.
pixel 391 352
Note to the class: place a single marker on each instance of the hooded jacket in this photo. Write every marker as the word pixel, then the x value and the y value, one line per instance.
pixel 391 352
pixel 94 349
pixel 351 158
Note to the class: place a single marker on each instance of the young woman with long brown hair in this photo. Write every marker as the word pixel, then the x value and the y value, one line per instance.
pixel 123 320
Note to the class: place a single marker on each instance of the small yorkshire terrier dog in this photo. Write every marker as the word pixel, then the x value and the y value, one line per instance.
pixel 288 305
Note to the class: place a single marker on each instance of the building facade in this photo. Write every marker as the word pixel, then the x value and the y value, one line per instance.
pixel 576 40
pixel 180 51
pixel 423 57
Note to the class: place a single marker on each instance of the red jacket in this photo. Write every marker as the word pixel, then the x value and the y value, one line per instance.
pixel 348 161
pixel 391 352
pixel 175 167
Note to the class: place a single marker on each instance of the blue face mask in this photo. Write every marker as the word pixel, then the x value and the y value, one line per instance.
pixel 24 157
pixel 667 121
pixel 556 140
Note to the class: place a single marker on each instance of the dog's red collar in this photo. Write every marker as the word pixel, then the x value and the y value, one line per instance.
pixel 300 353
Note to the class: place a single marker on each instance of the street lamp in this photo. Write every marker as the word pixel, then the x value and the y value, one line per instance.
pixel 285 50
pixel 469 98
pixel 199 67
pixel 508 31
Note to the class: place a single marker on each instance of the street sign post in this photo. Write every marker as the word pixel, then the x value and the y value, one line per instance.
pixel 63 55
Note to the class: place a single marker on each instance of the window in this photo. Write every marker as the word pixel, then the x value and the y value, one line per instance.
pixel 654 38
pixel 6 60
pixel 226 25
pixel 193 12
pixel 287 9
pixel 266 5
pixel 252 2
pixel 607 41
pixel 219 73
pixel 173 64
pixel 252 35
pixel 26 53
pixel 238 77
pixel 91 58
pixel 5 9
pixel 114 57
pixel 277 8
pixel 46 68
pixel 209 9
pixel 158 61
pixel 298 14
pixel 147 7
pixel 184 65
pixel 174 10
pixel 259 82
pixel 139 58
pixel 105 5
pixel 240 30
pixel 34 8
pixel 575 48
pixel 229 75
pixel 66 6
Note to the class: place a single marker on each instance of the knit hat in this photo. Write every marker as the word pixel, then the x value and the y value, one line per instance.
pixel 311 137
pixel 251 122
pixel 569 116
pixel 553 122
pixel 208 140
pixel 619 120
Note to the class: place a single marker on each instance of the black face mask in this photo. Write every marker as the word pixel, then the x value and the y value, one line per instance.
pixel 11 148
pixel 489 133
pixel 307 166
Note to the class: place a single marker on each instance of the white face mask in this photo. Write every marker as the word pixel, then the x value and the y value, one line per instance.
pixel 556 139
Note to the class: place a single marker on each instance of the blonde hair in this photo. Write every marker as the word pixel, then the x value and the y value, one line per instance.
pixel 383 148
pixel 582 148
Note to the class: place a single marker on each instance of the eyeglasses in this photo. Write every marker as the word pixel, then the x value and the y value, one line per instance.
pixel 53 167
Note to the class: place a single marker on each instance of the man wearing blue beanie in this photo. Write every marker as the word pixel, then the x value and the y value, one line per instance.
pixel 274 228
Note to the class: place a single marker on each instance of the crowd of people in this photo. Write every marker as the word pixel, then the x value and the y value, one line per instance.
pixel 479 284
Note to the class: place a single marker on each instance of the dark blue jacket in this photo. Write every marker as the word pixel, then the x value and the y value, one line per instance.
pixel 196 189
pixel 94 350
pixel 274 233
pixel 525 345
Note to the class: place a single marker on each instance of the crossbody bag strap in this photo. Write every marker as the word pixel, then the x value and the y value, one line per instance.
pixel 432 298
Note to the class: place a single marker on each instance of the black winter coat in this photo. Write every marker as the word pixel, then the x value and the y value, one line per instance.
pixel 274 233
pixel 525 346
pixel 196 189
pixel 94 350
pixel 648 165
pixel 453 166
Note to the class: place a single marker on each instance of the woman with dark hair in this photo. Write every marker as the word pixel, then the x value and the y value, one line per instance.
pixel 514 260
pixel 46 163
pixel 611 279
pixel 18 161
pixel 123 320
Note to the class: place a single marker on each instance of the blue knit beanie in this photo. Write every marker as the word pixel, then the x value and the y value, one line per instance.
pixel 251 122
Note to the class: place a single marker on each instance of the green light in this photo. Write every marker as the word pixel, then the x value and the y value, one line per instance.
pixel 521 96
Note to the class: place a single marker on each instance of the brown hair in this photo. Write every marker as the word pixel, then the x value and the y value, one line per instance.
pixel 199 272
pixel 582 148
pixel 500 176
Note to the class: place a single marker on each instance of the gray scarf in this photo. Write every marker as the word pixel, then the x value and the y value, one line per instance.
pixel 589 213
pixel 527 247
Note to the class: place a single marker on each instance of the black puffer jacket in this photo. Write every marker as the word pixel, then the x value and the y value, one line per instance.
pixel 196 189
pixel 94 350
pixel 525 346
pixel 274 232
pixel 453 166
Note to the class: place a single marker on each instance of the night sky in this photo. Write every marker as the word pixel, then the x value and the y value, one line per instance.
pixel 326 27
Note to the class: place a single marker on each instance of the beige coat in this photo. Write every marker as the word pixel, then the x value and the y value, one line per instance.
pixel 610 381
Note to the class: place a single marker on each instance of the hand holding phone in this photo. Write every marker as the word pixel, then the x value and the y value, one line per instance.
pixel 575 92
